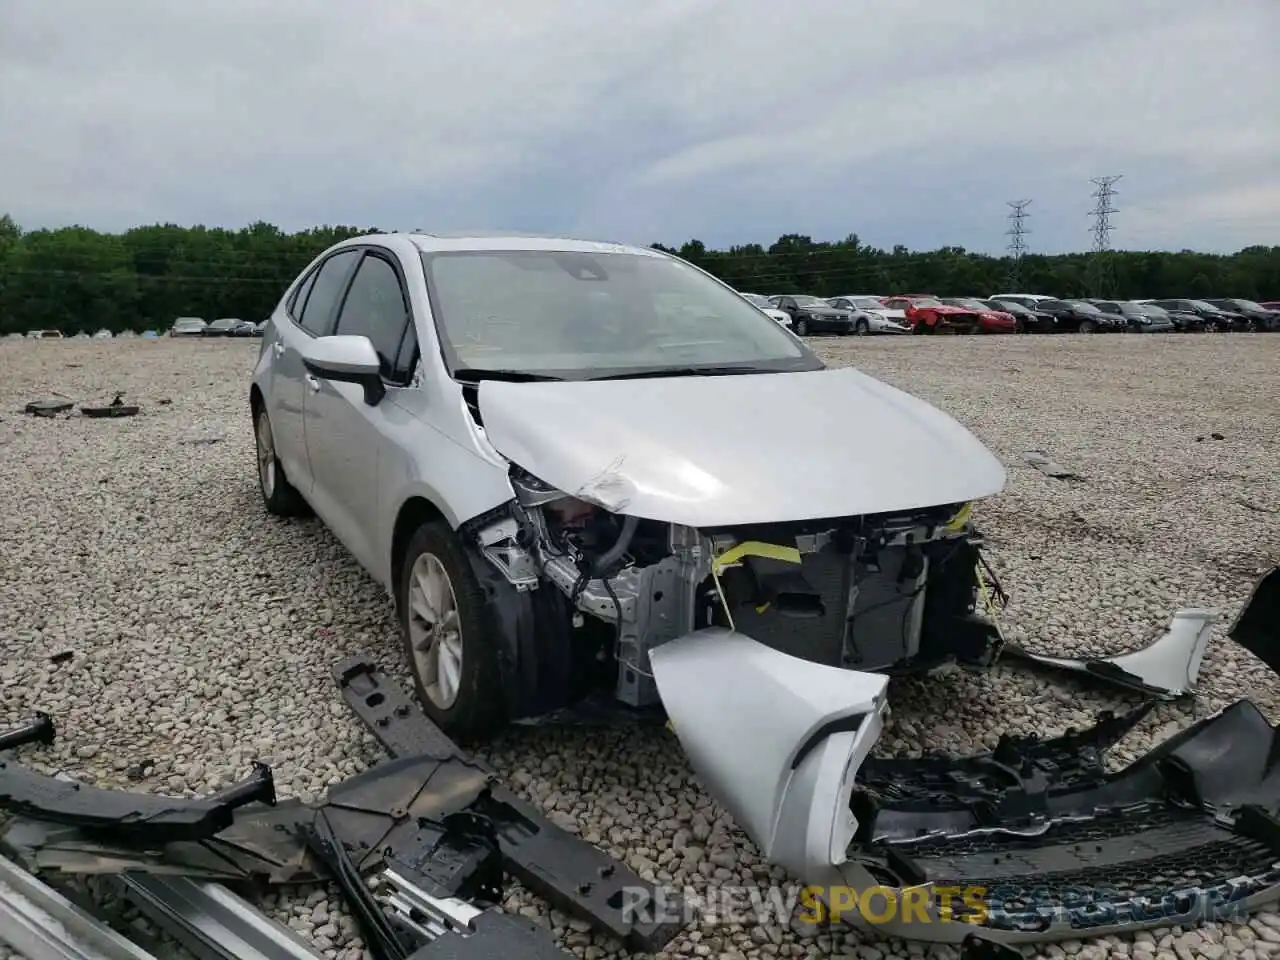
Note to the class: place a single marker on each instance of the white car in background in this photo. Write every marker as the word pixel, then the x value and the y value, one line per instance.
pixel 882 319
pixel 769 310
pixel 187 327
pixel 1028 300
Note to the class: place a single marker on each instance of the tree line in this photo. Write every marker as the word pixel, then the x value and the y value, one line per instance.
pixel 77 279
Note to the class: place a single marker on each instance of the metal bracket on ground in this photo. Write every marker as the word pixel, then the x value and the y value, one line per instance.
pixel 570 873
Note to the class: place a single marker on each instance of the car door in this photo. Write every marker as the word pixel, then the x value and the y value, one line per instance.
pixel 352 445
pixel 308 313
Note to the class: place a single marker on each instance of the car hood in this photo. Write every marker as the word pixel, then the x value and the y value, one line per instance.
pixel 825 311
pixel 946 310
pixel 726 450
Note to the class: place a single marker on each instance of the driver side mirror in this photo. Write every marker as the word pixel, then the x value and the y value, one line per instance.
pixel 346 359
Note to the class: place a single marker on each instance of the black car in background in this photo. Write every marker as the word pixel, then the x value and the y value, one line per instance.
pixel 1029 320
pixel 1259 316
pixel 1076 316
pixel 1212 317
pixel 813 314
pixel 1135 317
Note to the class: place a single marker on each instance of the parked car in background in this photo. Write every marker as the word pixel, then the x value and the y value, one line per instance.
pixel 1212 317
pixel 1184 321
pixel 1026 299
pixel 813 314
pixel 1270 304
pixel 1030 321
pixel 259 327
pixel 187 327
pixel 1077 316
pixel 989 320
pixel 150 335
pixel 868 319
pixel 1135 317
pixel 761 301
pixel 928 314
pixel 103 334
pixel 45 334
pixel 221 327
pixel 243 328
pixel 874 303
pixel 1259 316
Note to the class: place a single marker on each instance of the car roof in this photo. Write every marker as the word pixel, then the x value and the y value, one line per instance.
pixel 505 240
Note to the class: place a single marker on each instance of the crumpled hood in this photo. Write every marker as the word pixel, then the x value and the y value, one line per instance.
pixel 947 310
pixel 718 451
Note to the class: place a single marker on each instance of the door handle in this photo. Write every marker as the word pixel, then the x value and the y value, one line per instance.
pixel 313 383
pixel 278 347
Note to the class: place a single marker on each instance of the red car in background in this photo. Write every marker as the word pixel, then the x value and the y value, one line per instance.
pixel 928 314
pixel 990 321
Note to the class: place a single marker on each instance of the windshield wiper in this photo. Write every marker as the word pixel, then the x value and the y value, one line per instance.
pixel 474 375
pixel 684 372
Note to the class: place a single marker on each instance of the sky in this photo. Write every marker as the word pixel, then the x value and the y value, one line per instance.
pixel 732 121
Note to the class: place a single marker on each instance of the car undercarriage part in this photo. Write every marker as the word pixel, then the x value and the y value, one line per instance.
pixel 41 924
pixel 879 592
pixel 419 844
pixel 1033 841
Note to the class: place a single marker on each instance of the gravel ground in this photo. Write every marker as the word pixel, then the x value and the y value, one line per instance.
pixel 201 632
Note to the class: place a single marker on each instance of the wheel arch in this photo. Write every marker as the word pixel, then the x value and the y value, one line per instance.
pixel 413 513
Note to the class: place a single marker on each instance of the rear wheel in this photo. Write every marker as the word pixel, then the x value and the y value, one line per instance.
pixel 278 494
pixel 450 641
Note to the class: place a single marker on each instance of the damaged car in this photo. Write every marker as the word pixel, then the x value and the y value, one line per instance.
pixel 587 472
pixel 558 456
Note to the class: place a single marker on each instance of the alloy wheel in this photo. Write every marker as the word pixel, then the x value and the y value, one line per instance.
pixel 435 634
pixel 266 455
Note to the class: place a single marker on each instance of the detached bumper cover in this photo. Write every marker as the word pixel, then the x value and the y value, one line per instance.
pixel 1033 841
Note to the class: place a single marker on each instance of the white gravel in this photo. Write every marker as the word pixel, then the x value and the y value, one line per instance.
pixel 202 632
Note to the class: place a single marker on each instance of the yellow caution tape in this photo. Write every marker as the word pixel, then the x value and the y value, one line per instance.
pixel 754 548
pixel 960 519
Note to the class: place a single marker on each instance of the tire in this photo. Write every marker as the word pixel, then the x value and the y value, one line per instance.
pixel 470 706
pixel 278 495
pixel 861 329
pixel 1087 326
pixel 801 327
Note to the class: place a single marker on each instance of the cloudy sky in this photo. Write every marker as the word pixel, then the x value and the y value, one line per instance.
pixel 732 121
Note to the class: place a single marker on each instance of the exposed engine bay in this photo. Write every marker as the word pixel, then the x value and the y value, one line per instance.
pixel 889 592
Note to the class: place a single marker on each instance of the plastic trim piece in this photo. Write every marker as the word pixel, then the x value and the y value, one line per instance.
pixel 1167 669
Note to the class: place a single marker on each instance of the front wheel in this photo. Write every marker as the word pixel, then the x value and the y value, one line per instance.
pixel 861 329
pixel 801 327
pixel 279 496
pixel 450 641
pixel 1087 326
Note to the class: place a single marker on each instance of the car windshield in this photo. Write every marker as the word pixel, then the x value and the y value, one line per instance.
pixel 926 302
pixel 969 303
pixel 1083 307
pixel 758 300
pixel 807 301
pixel 1202 305
pixel 867 303
pixel 1246 304
pixel 1151 310
pixel 577 315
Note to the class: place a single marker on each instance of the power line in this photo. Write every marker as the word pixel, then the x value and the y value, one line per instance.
pixel 1100 264
pixel 1017 233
